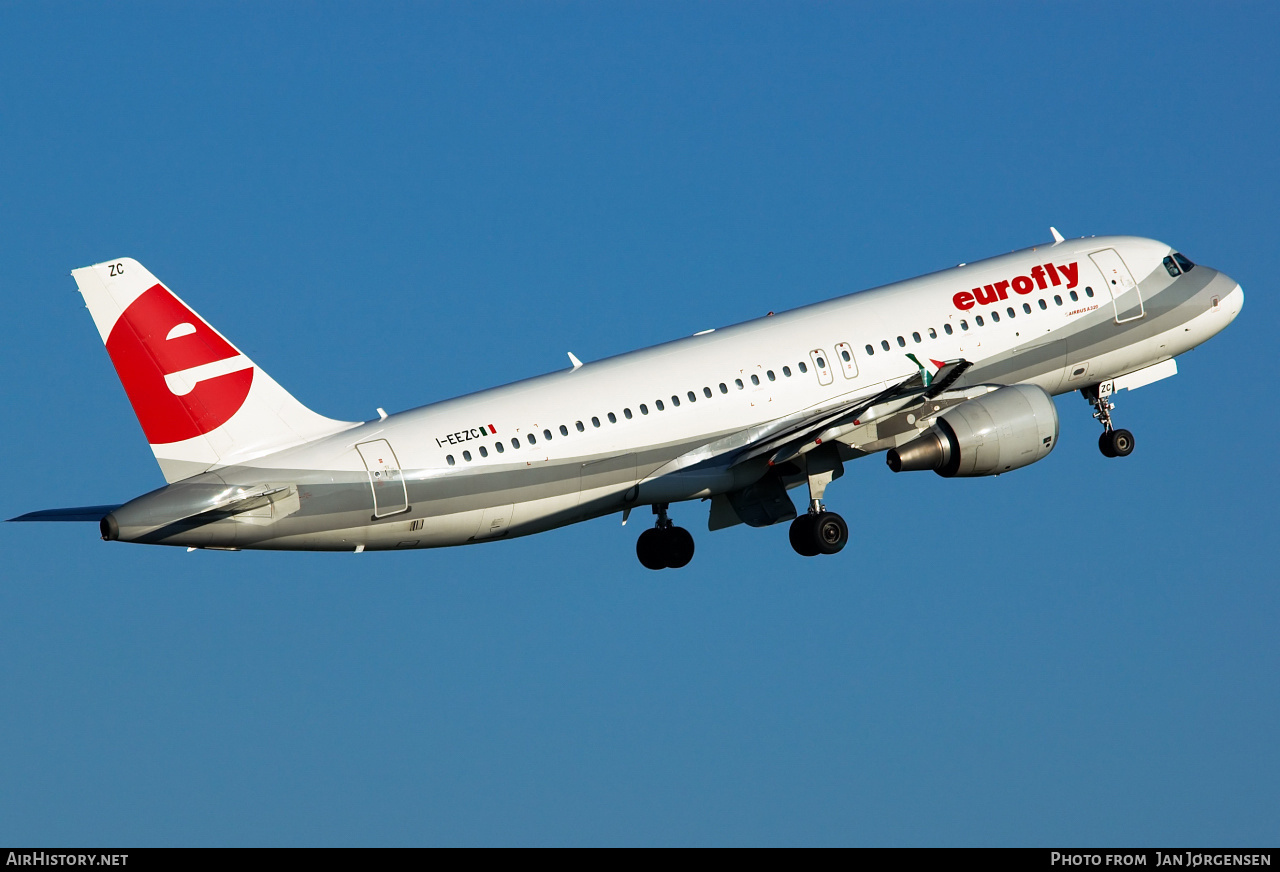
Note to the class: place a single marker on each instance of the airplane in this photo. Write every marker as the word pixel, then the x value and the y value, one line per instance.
pixel 953 372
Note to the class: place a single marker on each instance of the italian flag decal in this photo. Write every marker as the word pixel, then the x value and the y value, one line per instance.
pixel 924 371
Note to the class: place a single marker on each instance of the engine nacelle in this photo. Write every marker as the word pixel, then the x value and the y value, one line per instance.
pixel 1006 429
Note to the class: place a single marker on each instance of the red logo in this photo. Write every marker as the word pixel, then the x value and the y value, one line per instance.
pixel 158 336
pixel 1041 277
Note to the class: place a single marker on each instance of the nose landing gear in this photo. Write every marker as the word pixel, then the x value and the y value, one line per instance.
pixel 664 546
pixel 1112 442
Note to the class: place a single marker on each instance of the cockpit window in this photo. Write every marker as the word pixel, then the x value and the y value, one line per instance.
pixel 1187 266
pixel 1172 267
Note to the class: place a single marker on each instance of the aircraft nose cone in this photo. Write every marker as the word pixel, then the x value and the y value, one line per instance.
pixel 1234 302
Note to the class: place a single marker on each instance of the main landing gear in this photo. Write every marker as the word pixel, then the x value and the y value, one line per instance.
pixel 665 546
pixel 1112 442
pixel 820 531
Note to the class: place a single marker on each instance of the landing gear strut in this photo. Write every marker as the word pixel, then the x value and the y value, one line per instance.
pixel 664 546
pixel 1112 442
pixel 819 531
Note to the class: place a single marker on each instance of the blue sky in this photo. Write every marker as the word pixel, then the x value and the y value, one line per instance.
pixel 391 204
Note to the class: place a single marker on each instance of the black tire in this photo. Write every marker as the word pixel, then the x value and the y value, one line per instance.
pixel 1121 443
pixel 802 535
pixel 679 547
pixel 1104 444
pixel 651 549
pixel 830 532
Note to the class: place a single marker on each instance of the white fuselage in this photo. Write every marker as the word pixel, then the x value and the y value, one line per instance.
pixel 665 423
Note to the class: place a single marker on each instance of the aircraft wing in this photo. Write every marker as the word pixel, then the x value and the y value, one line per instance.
pixel 76 513
pixel 796 436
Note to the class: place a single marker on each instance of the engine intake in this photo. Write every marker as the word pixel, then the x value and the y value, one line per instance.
pixel 1007 429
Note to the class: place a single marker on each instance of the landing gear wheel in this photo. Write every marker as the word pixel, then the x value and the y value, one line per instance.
pixel 830 532
pixel 651 550
pixel 818 533
pixel 1116 443
pixel 664 546
pixel 803 538
pixel 679 547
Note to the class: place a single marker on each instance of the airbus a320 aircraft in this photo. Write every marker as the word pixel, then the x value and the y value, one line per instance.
pixel 951 372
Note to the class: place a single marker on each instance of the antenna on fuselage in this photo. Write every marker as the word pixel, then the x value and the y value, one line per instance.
pixel 1057 237
pixel 574 360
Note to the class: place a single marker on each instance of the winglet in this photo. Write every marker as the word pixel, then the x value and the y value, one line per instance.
pixel 574 360
pixel 1057 237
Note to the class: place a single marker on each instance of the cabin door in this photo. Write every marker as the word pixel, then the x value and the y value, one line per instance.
pixel 1124 290
pixel 389 494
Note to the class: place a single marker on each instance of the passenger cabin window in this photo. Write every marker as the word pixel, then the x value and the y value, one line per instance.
pixel 564 431
pixel 595 422
pixel 501 448
pixel 995 317
pixel 1075 298
pixel 1088 292
pixel 738 382
pixel 466 455
pixel 755 379
pixel 658 404
pixel 1043 304
pixel 1011 312
pixel 675 401
pixel 964 325
pixel 915 336
pixel 484 452
pixel 449 459
pixel 546 434
pixel 771 376
pixel 947 329
pixel 613 419
pixel 802 366
pixel 693 398
pixel 578 424
pixel 977 319
pixel 724 388
pixel 1057 299
pixel 532 440
pixel 626 413
pixel 884 343
pixel 706 392
pixel 1026 308
pixel 870 351
pixel 902 343
pixel 786 370
pixel 644 410
pixel 515 441
pixel 933 334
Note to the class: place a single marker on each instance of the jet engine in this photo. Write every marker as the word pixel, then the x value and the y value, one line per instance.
pixel 1008 428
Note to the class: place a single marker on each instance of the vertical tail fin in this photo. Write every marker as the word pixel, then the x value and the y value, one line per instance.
pixel 201 402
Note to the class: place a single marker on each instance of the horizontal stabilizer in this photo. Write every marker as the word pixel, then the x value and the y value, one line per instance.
pixel 76 513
